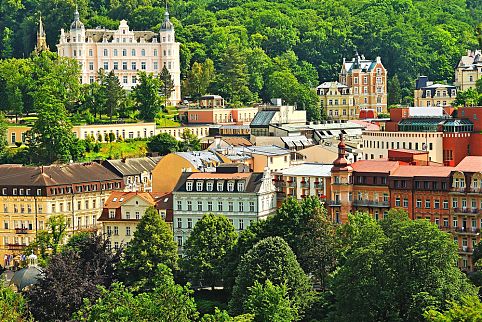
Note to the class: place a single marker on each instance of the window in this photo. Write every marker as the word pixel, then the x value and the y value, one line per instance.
pixel 427 203
pixel 397 202
pixel 143 65
pixel 116 65
pixel 179 223
pixel 124 79
pixel 230 206
pixel 155 65
pixel 220 185
pixel 209 185
pixel 106 65
pixel 189 205
pixel 230 185
pixel 133 65
pixel 124 65
pixel 138 215
pixel 445 204
pixel 189 223
pixel 179 205
pixel 436 204
pixel 179 241
pixel 116 245
pixel 199 206
pixel 128 215
pixel 109 231
pixel 116 53
pixel 143 52
pixel 128 231
pixel 189 186
pixel 220 206
pixel 106 52
pixel 155 52
pixel 455 203
pixel 111 213
pixel 124 52
pixel 241 224
pixel 116 230
pixel 199 185
pixel 241 206
pixel 241 186
pixel 133 52
pixel 210 206
pixel 134 79
pixel 91 66
pixel 405 203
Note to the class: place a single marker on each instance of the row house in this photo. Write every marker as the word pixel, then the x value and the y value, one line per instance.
pixel 123 210
pixel 308 179
pixel 428 94
pixel 337 101
pixel 243 197
pixel 29 196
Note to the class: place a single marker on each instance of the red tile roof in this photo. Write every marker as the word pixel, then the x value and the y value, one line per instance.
pixel 375 166
pixel 470 164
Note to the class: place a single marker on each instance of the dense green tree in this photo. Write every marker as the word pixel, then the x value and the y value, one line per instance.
pixel 206 248
pixel 166 301
pixel 478 86
pixel 223 316
pixel 189 141
pixel 469 97
pixel 271 259
pixel 270 303
pixel 71 276
pixel 394 91
pixel 3 134
pixel 167 84
pixel 114 94
pixel 153 245
pixel 13 306
pixel 146 96
pixel 469 310
pixel 199 78
pixel 376 280
pixel 163 143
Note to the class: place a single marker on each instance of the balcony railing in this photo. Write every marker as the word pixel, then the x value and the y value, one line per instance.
pixel 371 203
pixel 291 184
pixel 21 230
pixel 16 246
pixel 305 184
pixel 475 190
pixel 465 249
pixel 466 230
pixel 467 211
pixel 333 202
pixel 458 189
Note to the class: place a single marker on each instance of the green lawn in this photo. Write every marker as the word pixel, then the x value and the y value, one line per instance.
pixel 118 150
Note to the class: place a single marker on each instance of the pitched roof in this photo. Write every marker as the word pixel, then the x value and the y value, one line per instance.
pixel 237 141
pixel 200 159
pixel 253 179
pixel 422 171
pixel 470 164
pixel 133 166
pixel 19 175
pixel 118 198
pixel 219 176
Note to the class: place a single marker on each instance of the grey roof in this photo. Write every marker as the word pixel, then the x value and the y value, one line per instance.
pixel 263 118
pixel 201 159
pixel 269 150
pixel 309 169
pixel 166 24
pixel 26 277
pixel 300 141
pixel 330 84
pixel 253 184
pixel 133 166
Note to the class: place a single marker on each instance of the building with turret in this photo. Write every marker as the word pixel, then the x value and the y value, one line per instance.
pixel 124 51
pixel 41 38
pixel 468 70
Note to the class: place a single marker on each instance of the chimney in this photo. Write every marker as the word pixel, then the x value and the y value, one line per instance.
pixel 421 82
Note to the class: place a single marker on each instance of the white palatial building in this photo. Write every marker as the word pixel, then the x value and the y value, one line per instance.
pixel 124 51
pixel 243 197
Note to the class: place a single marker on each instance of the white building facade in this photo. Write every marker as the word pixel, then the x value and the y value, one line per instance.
pixel 124 51
pixel 243 198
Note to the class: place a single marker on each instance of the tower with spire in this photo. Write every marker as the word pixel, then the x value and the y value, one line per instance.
pixel 41 38
pixel 341 189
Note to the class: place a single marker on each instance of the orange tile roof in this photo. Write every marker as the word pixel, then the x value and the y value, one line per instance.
pixel 422 171
pixel 215 175
pixel 470 164
pixel 237 141
pixel 121 197
pixel 379 166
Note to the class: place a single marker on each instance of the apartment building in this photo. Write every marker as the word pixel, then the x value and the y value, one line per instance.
pixel 431 94
pixel 337 100
pixel 217 115
pixel 367 80
pixel 243 197
pixel 31 195
pixel 301 181
pixel 468 70
pixel 124 51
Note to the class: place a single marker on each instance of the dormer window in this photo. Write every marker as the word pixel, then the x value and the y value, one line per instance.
pixel 209 185
pixel 199 185
pixel 220 185
pixel 189 186
pixel 240 186
pixel 230 185
pixel 111 213
pixel 427 93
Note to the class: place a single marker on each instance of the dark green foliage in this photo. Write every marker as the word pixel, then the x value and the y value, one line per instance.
pixel 205 250
pixel 166 302
pixel 271 259
pixel 162 143
pixel 153 245
pixel 146 96
pixel 167 84
pixel 189 141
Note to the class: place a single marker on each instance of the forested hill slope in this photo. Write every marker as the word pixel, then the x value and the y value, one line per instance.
pixel 296 42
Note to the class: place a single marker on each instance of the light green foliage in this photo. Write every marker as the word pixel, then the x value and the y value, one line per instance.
pixel 199 78
pixel 166 301
pixel 395 270
pixel 163 143
pixel 49 241
pixel 153 245
pixel 468 310
pixel 271 259
pixel 270 303
pixel 3 134
pixel 189 141
pixel 13 307
pixel 223 316
pixel 146 96
pixel 205 250
pixel 469 97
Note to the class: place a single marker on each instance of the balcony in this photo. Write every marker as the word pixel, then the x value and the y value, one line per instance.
pixel 445 228
pixel 465 250
pixel 291 184
pixel 371 203
pixel 305 184
pixel 467 211
pixel 458 190
pixel 15 246
pixel 467 231
pixel 333 203
pixel 21 230
pixel 475 190
pixel 318 185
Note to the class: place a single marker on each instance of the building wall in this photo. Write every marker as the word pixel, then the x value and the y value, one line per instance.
pixel 456 146
pixel 274 163
pixel 376 144
pixel 442 96
pixel 199 131
pixel 465 79
pixel 167 172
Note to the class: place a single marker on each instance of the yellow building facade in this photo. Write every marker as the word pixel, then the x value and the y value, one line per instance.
pixel 337 100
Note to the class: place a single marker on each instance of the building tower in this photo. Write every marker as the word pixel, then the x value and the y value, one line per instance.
pixel 341 186
pixel 41 38
pixel 170 56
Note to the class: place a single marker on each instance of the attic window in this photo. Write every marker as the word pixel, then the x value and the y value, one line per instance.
pixel 230 185
pixel 189 186
pixel 199 185
pixel 114 200
pixel 240 185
